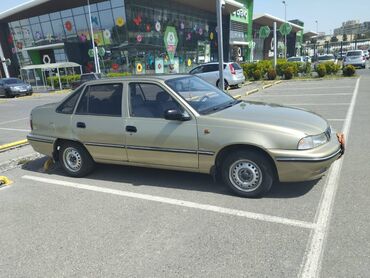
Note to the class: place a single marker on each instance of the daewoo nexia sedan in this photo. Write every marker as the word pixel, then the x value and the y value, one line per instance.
pixel 183 123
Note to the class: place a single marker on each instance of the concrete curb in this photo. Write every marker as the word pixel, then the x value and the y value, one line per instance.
pixel 251 92
pixel 237 96
pixel 266 86
pixel 13 145
pixel 278 82
pixel 5 181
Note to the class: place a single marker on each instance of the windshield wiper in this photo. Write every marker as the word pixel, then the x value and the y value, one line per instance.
pixel 222 107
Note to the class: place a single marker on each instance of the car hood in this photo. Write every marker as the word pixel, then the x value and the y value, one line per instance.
pixel 268 114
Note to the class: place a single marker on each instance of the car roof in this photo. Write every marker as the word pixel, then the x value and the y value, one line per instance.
pixel 158 77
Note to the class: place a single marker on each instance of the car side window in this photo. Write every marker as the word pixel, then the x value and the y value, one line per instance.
pixel 101 100
pixel 199 69
pixel 68 105
pixel 213 67
pixel 150 101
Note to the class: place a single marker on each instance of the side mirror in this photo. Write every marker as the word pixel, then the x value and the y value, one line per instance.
pixel 176 115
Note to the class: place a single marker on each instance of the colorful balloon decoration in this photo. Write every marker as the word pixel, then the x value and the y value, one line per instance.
pixel 68 26
pixel 120 21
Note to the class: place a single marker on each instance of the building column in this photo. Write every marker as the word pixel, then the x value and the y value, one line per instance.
pixel 2 58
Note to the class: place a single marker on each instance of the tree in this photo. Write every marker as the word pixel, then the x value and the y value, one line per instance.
pixel 345 37
pixel 334 39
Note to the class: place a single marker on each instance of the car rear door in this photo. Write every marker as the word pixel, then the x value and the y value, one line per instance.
pixel 99 122
pixel 153 140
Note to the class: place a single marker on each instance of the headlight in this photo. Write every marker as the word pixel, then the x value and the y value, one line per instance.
pixel 311 142
pixel 29 87
pixel 14 89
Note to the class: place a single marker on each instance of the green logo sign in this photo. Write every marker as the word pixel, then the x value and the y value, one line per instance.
pixel 264 32
pixel 170 41
pixel 91 53
pixel 285 29
pixel 101 51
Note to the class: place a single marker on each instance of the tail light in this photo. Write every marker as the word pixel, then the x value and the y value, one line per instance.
pixel 31 124
pixel 232 69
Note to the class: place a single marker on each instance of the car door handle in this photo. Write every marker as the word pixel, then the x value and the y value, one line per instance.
pixel 81 125
pixel 131 128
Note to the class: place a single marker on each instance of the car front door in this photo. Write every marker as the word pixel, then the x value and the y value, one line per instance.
pixel 2 90
pixel 99 122
pixel 150 138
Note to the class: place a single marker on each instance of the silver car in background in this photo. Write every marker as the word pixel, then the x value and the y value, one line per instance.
pixel 355 58
pixel 233 73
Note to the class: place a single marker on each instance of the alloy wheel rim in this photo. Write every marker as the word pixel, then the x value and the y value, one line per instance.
pixel 72 159
pixel 245 175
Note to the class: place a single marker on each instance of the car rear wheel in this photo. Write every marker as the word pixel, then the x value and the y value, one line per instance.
pixel 248 173
pixel 75 159
pixel 226 84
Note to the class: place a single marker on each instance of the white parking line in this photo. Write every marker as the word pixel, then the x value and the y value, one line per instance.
pixel 312 264
pixel 13 121
pixel 308 88
pixel 316 104
pixel 303 95
pixel 176 202
pixel 336 120
pixel 15 129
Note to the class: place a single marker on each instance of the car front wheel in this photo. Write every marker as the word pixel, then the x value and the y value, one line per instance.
pixel 75 159
pixel 248 173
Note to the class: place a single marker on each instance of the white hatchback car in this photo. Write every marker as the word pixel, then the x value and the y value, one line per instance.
pixel 233 73
pixel 355 58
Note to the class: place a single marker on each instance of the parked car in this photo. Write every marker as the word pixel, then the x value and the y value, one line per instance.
pixel 84 78
pixel 366 53
pixel 296 59
pixel 325 58
pixel 181 122
pixel 233 73
pixel 11 87
pixel 355 58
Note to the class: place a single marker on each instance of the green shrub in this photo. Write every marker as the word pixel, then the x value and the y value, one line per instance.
pixel 331 68
pixel 288 73
pixel 271 74
pixel 349 70
pixel 321 70
pixel 65 79
pixel 308 68
pixel 117 74
pixel 248 69
pixel 257 75
pixel 264 66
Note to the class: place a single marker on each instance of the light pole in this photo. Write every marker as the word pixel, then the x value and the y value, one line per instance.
pixel 317 27
pixel 96 57
pixel 285 46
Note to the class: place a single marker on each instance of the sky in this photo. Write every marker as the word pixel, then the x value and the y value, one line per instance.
pixel 329 13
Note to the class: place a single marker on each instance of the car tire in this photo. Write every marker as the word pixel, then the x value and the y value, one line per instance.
pixel 8 94
pixel 248 173
pixel 75 159
pixel 226 84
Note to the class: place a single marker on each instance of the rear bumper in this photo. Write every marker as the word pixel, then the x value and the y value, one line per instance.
pixel 236 80
pixel 297 166
pixel 42 144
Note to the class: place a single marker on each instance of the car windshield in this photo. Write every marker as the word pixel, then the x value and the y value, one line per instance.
pixel 354 53
pixel 326 57
pixel 11 81
pixel 202 96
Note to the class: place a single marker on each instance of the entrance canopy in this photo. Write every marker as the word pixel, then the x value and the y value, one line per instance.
pixel 48 68
pixel 268 20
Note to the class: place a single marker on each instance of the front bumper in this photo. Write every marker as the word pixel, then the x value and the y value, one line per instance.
pixel 297 166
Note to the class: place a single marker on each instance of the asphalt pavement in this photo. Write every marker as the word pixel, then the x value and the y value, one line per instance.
pixel 135 222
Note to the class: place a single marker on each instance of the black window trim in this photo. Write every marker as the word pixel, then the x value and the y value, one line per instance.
pixel 104 115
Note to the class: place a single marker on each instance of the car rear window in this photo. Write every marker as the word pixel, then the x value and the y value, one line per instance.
pixel 354 53
pixel 69 104
pixel 236 66
pixel 296 59
pixel 326 57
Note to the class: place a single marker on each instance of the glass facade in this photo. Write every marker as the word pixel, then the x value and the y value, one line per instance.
pixel 130 36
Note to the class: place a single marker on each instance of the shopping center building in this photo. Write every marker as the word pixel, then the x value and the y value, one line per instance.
pixel 127 33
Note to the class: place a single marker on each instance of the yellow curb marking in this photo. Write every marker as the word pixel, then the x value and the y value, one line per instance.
pixel 237 96
pixel 13 144
pixel 5 181
pixel 278 82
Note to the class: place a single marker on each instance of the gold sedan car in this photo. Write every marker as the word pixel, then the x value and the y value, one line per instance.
pixel 183 123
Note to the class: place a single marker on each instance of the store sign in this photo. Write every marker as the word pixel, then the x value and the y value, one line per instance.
pixel 159 65
pixel 170 41
pixel 240 15
pixel 264 32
